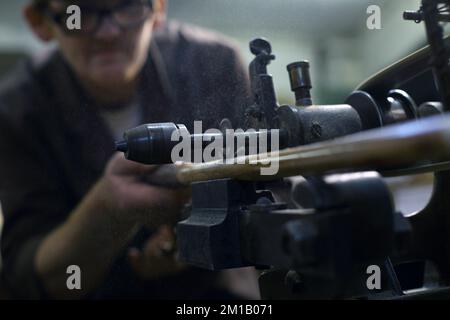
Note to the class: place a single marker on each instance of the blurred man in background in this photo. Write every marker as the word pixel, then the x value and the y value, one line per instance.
pixel 67 198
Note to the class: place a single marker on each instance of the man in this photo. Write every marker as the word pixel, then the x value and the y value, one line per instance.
pixel 67 198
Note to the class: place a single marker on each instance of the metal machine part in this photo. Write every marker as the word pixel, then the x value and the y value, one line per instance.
pixel 296 125
pixel 154 143
pixel 397 107
pixel 330 244
pixel 300 82
pixel 336 224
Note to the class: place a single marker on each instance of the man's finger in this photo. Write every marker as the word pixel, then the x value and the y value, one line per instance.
pixel 164 176
pixel 121 166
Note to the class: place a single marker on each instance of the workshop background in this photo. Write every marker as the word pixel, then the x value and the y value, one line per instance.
pixel 331 34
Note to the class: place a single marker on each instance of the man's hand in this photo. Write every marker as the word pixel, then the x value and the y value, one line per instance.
pixel 126 191
pixel 104 222
pixel 157 258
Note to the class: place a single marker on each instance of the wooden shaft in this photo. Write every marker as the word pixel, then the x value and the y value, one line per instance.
pixel 386 148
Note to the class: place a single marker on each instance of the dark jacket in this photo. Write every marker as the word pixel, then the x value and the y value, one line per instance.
pixel 54 146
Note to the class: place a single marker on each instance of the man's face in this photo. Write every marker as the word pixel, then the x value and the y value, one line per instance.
pixel 111 55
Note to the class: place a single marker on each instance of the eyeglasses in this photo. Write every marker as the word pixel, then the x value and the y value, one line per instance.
pixel 126 15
